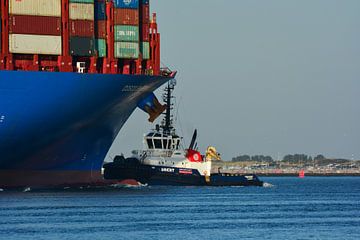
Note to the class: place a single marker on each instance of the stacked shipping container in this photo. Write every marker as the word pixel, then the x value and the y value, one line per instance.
pixel 58 33
pixel 35 27
pixel 1 35
pixel 4 35
pixel 145 29
pixel 82 33
pixel 100 28
pixel 126 29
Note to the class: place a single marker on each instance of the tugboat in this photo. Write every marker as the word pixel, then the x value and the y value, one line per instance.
pixel 164 162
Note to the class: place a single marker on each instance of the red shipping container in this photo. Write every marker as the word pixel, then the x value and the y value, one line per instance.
pixel 81 28
pixel 145 32
pixel 145 14
pixel 125 16
pixel 100 29
pixel 36 25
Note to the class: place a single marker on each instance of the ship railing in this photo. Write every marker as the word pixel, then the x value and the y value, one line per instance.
pixel 159 153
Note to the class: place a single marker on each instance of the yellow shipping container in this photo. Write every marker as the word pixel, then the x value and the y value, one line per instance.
pixel 81 11
pixel 35 44
pixel 51 8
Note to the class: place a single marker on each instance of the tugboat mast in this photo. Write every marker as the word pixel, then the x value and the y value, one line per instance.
pixel 167 97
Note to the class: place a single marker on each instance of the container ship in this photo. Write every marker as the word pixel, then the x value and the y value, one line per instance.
pixel 71 74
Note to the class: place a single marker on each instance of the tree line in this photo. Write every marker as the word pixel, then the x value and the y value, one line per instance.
pixel 255 158
pixel 302 158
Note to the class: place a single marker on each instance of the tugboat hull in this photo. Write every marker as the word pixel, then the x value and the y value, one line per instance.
pixel 152 175
pixel 156 175
pixel 224 179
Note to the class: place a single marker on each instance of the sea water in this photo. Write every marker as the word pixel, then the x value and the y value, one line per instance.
pixel 287 208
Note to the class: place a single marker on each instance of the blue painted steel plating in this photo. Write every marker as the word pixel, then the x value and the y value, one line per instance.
pixel 126 4
pixel 64 121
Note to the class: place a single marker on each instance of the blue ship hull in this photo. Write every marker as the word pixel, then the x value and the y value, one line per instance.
pixel 56 128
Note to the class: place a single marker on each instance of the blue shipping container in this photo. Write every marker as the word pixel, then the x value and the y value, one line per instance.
pixel 100 11
pixel 126 4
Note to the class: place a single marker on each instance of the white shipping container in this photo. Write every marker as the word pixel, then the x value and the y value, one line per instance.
pixel 81 11
pixel 35 44
pixel 51 8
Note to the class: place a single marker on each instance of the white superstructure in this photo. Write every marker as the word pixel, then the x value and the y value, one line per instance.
pixel 163 150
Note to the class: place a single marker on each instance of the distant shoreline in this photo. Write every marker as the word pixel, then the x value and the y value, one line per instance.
pixel 308 174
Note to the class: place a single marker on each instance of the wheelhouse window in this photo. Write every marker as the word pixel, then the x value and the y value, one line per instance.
pixel 176 143
pixel 166 144
pixel 150 143
pixel 158 144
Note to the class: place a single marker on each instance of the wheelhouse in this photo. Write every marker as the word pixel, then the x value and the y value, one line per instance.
pixel 160 141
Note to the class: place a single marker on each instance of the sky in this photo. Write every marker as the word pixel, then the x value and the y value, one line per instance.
pixel 261 77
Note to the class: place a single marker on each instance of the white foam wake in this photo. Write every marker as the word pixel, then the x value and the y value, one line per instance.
pixel 139 185
pixel 268 185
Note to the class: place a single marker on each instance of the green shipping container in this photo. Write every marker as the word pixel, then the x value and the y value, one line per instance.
pixel 126 33
pixel 100 47
pixel 145 50
pixel 129 50
pixel 82 46
pixel 81 1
